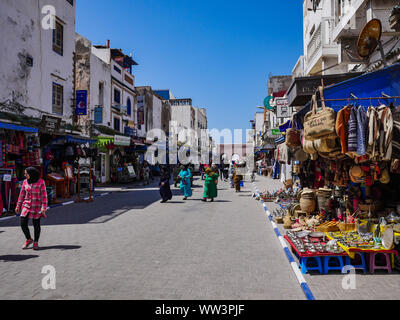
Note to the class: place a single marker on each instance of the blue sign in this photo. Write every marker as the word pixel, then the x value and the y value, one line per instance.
pixel 81 103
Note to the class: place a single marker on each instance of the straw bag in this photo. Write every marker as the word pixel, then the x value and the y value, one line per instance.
pixel 319 124
pixel 325 145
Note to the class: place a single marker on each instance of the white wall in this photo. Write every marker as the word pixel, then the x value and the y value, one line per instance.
pixel 22 34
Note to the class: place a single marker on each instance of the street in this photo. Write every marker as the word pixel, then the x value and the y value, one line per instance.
pixel 127 245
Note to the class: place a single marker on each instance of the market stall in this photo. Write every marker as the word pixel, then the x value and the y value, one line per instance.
pixel 343 150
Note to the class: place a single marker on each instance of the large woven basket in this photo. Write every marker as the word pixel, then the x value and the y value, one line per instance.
pixel 328 227
pixel 347 227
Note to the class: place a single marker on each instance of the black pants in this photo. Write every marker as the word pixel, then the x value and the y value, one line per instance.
pixel 25 228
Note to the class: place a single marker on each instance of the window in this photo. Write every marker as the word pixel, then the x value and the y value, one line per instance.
pixel 129 107
pixel 117 69
pixel 117 96
pixel 58 38
pixel 58 96
pixel 117 124
pixel 101 93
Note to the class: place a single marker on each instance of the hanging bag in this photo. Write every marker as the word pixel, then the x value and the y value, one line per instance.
pixel 319 124
pixel 293 136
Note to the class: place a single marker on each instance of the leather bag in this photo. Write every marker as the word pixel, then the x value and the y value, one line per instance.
pixel 293 136
pixel 319 124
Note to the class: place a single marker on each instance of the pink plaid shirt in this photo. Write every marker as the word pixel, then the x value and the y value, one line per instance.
pixel 33 200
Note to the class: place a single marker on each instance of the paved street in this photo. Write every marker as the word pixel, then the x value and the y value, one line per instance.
pixel 127 245
pixel 380 286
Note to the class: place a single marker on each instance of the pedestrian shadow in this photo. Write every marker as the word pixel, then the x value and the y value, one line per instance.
pixel 221 201
pixel 63 248
pixel 16 258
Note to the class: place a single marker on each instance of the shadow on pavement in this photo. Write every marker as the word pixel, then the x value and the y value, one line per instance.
pixel 63 248
pixel 10 258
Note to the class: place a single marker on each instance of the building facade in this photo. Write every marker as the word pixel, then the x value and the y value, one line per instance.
pixel 37 64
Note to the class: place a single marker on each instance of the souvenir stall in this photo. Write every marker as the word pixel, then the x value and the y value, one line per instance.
pixel 19 146
pixel 60 162
pixel 121 169
pixel 346 210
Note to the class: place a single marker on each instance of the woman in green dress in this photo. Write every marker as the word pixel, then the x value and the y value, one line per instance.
pixel 210 185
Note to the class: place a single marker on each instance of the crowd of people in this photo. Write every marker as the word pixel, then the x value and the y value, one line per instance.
pixel 33 203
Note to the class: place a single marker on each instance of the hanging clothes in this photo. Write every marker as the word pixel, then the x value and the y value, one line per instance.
pixel 396 133
pixel 362 127
pixel 352 142
pixel 373 132
pixel 342 127
pixel 386 132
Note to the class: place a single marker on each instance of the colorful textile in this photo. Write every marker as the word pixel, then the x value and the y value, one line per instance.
pixel 352 143
pixel 32 200
pixel 342 127
pixel 362 129
pixel 373 132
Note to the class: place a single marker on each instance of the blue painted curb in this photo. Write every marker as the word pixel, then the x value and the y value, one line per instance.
pixel 306 289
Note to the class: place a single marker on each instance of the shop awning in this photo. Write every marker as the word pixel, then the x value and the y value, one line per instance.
pixel 302 88
pixel 79 140
pixel 374 84
pixel 15 127
pixel 369 85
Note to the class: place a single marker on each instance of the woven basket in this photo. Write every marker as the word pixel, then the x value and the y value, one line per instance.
pixel 307 205
pixel 328 227
pixel 347 227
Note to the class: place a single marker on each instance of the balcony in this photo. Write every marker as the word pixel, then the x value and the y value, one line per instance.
pixel 320 46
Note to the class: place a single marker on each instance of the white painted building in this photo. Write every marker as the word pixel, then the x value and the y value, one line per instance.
pixel 331 34
pixel 37 63
pixel 123 97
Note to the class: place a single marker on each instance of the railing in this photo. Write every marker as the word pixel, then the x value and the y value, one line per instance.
pixel 321 37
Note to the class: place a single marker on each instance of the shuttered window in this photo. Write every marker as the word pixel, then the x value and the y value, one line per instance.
pixel 58 96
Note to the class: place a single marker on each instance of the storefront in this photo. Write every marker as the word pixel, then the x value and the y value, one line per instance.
pixel 20 149
pixel 342 199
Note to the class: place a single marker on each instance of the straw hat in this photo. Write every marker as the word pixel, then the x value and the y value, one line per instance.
pixel 385 179
pixel 357 172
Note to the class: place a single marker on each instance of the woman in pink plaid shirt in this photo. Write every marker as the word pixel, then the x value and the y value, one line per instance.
pixel 32 203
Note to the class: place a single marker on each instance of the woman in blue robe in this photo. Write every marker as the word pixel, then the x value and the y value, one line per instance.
pixel 185 186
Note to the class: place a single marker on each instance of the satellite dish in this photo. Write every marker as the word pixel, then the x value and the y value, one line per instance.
pixel 369 39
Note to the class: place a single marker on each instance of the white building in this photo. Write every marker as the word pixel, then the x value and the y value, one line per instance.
pixel 331 34
pixel 123 101
pixel 37 61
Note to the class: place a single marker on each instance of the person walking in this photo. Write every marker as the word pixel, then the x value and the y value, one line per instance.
pixel 210 186
pixel 176 175
pixel 165 188
pixel 237 178
pixel 32 204
pixel 186 186
pixel 146 174
pixel 202 172
pixel 231 174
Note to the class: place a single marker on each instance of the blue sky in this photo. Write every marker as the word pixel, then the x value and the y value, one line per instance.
pixel 219 53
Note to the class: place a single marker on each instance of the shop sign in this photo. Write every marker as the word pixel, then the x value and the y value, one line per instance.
pixel 267 103
pixel 81 103
pixel 50 124
pixel 122 141
pixel 282 107
pixel 276 132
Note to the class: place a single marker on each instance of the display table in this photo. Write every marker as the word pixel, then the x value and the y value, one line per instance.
pixel 372 254
pixel 322 261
